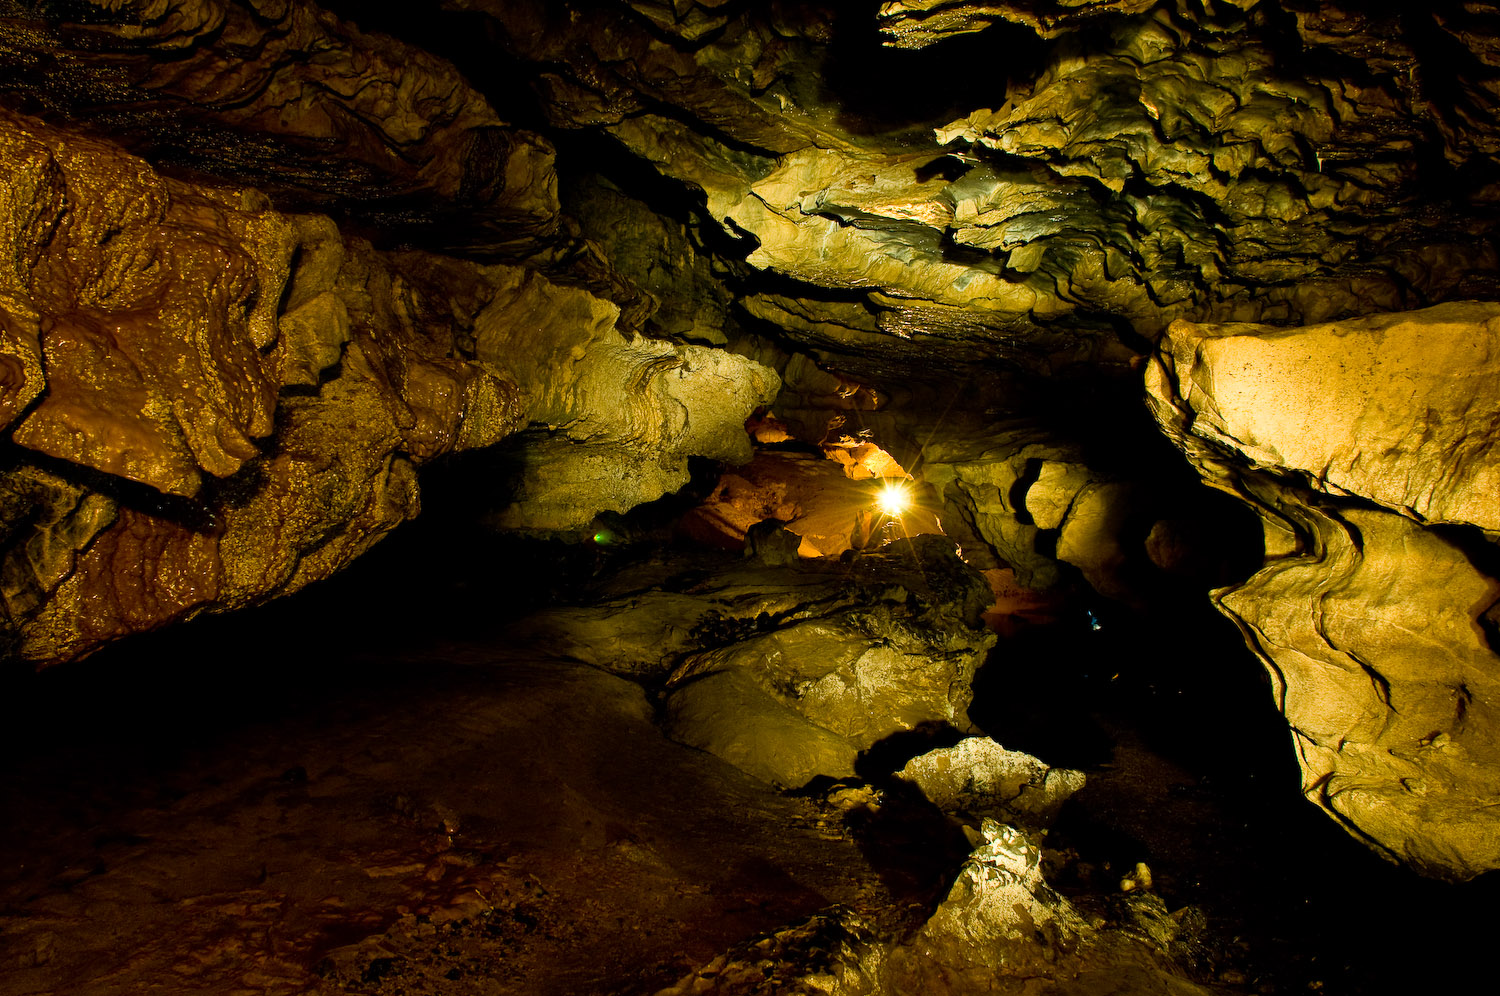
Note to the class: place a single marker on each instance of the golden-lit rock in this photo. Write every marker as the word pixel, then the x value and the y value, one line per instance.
pixel 1369 449
pixel 48 522
pixel 1397 408
pixel 1167 162
pixel 918 23
pixel 622 417
pixel 170 317
pixel 977 777
pixel 731 715
pixel 155 330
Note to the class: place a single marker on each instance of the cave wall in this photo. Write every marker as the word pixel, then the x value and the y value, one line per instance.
pixel 264 259
pixel 1374 610
pixel 211 402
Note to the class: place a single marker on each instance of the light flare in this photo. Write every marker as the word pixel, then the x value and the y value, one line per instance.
pixel 893 499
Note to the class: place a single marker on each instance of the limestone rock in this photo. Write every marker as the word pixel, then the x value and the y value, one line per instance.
pixel 833 684
pixel 771 543
pixel 158 307
pixel 1395 408
pixel 863 676
pixel 1366 438
pixel 664 260
pixel 644 620
pixel 835 952
pixel 1168 162
pixel 1042 507
pixel 1000 929
pixel 1001 897
pixel 623 417
pixel 729 714
pixel 979 778
pixel 47 522
pixel 152 331
pixel 918 23
pixel 322 111
pixel 827 655
pixel 1001 921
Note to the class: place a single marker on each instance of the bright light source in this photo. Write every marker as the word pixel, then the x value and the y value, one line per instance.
pixel 893 499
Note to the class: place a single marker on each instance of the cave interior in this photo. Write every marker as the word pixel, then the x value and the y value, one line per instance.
pixel 730 496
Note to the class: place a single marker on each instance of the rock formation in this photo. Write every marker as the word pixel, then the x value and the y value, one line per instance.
pixel 226 402
pixel 789 672
pixel 263 260
pixel 1366 446
pixel 1001 926
pixel 978 778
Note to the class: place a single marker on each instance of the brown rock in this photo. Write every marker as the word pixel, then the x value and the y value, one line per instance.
pixel 160 311
pixel 152 312
pixel 289 97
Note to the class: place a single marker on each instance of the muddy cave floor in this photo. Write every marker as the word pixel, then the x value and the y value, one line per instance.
pixel 365 788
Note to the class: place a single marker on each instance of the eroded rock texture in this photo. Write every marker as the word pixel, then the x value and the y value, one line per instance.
pixel 1368 448
pixel 789 672
pixel 262 259
pixel 1173 160
pixel 213 402
pixel 185 467
pixel 288 97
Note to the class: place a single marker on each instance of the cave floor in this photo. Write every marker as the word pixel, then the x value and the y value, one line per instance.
pixel 372 791
pixel 463 820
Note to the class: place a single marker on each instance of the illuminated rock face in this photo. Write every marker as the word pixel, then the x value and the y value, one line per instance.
pixel 1369 449
pixel 197 457
pixel 252 392
pixel 789 671
pixel 1161 161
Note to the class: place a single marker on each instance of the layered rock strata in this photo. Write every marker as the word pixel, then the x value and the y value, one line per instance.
pixel 1171 160
pixel 291 99
pixel 211 402
pixel 790 671
pixel 1368 447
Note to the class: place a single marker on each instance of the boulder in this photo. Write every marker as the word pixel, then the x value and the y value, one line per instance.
pixel 979 778
pixel 833 656
pixel 731 716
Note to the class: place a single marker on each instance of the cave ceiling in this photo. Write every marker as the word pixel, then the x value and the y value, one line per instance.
pixel 262 261
pixel 1029 186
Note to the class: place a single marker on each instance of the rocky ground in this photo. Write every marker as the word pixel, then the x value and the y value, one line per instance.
pixel 293 801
